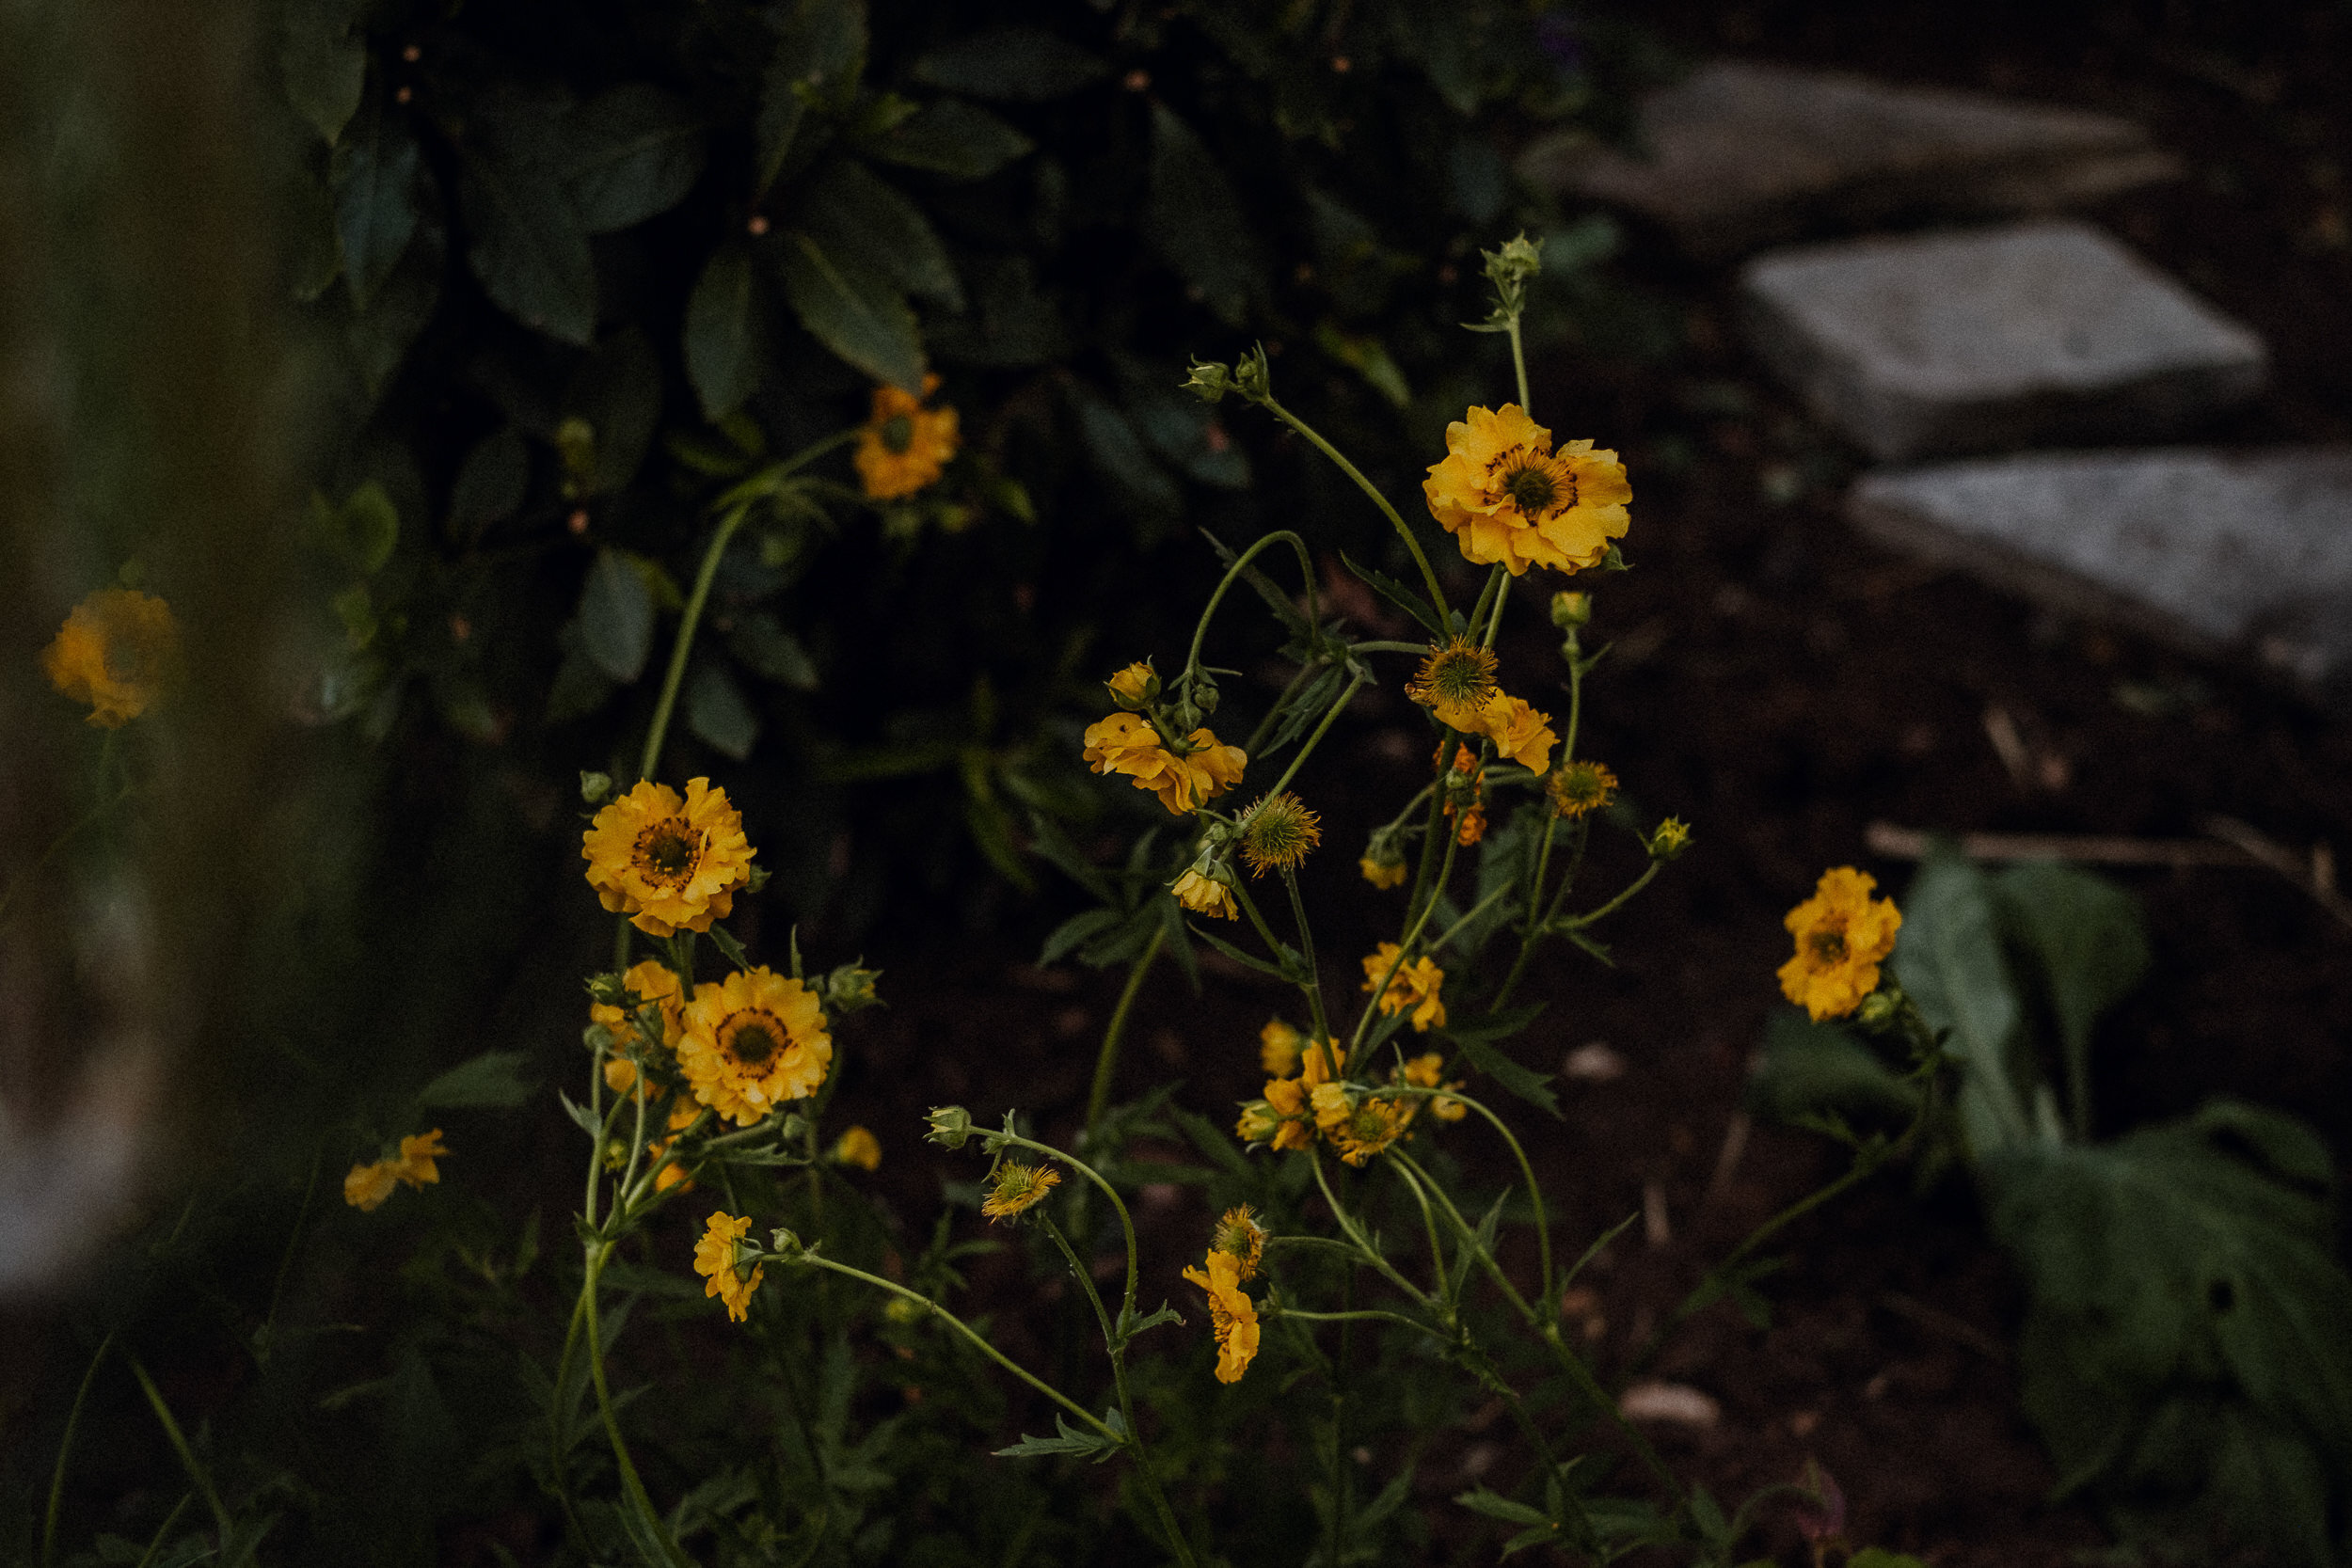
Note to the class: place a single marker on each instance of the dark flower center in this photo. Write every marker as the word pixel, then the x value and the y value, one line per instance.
pixel 753 1038
pixel 1829 946
pixel 897 433
pixel 1532 489
pixel 667 852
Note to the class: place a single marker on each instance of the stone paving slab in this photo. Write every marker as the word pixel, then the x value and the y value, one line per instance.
pixel 1740 155
pixel 2030 334
pixel 2246 553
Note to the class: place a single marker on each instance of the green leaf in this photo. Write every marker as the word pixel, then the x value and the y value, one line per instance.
pixel 1368 357
pixel 2089 941
pixel 858 316
pixel 819 55
pixel 529 248
pixel 635 150
pixel 492 1079
pixel 491 483
pixel 717 713
pixel 1072 1441
pixel 371 528
pixel 1398 594
pixel 759 641
pixel 617 389
pixel 323 66
pixel 1119 455
pixel 951 138
pixel 1948 958
pixel 2187 1346
pixel 616 617
pixel 1076 930
pixel 868 226
pixel 374 178
pixel 581 688
pixel 725 332
pixel 1195 222
pixel 1810 1069
pixel 1496 1506
pixel 1487 1028
pixel 382 334
pixel 1289 968
pixel 1529 1084
pixel 1013 325
pixel 1024 65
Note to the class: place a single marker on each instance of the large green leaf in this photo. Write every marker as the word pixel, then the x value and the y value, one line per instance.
pixel 491 483
pixel 529 248
pixel 858 316
pixel 1813 1069
pixel 2088 941
pixel 382 333
pixel 1119 457
pixel 616 617
pixel 759 641
pixel 1949 958
pixel 323 65
pixel 635 150
pixel 717 713
pixel 819 55
pixel 1194 221
pixel 1014 324
pixel 2187 1351
pixel 1027 64
pixel 617 389
pixel 374 176
pixel 951 138
pixel 725 332
pixel 870 226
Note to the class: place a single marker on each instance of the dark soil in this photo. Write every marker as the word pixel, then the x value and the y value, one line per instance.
pixel 1781 685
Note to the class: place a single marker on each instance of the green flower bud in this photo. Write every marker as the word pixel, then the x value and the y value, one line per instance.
pixel 784 1246
pixel 1571 609
pixel 951 1126
pixel 1252 377
pixel 1878 1011
pixel 595 789
pixel 1210 381
pixel 609 989
pixel 848 989
pixel 1671 839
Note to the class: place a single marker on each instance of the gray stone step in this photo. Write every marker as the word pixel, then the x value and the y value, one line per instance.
pixel 2031 334
pixel 2246 553
pixel 1743 155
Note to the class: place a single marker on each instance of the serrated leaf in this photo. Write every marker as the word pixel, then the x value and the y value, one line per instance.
pixel 759 641
pixel 616 617
pixel 1023 63
pixel 530 249
pixel 1194 221
pixel 1529 1084
pixel 374 178
pixel 951 138
pixel 725 332
pixel 1282 971
pixel 717 713
pixel 492 1079
pixel 730 949
pixel 1070 1441
pixel 860 317
pixel 1398 594
pixel 635 152
pixel 1076 930
pixel 1486 1028
pixel 1305 709
pixel 868 224
pixel 323 66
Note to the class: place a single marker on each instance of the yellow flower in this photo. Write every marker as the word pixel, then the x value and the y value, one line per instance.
pixel 683 1113
pixel 1415 985
pixel 668 864
pixel 1509 498
pixel 1278 1049
pixel 1259 1122
pixel 115 652
pixel 1382 875
pixel 1359 1131
pixel 1579 787
pixel 1322 1061
pixel 1427 1072
pixel 1455 682
pixel 651 982
pixel 415 1166
pixel 1671 839
pixel 859 1148
pixel 1019 1187
pixel 1519 732
pixel 1842 934
pixel 714 1256
pixel 1239 1236
pixel 1134 686
pixel 1205 896
pixel 1125 743
pixel 1279 831
pixel 754 1041
pixel 1232 1314
pixel 1464 786
pixel 904 446
pixel 1286 1104
pixel 367 1186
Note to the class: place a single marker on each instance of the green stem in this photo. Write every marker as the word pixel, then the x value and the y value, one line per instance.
pixel 633 1487
pixel 1428 577
pixel 1519 363
pixel 1266 724
pixel 1494 619
pixel 1106 1059
pixel 684 646
pixel 1429 1224
pixel 1312 985
pixel 1441 943
pixel 1364 1248
pixel 1361 1314
pixel 65 1451
pixel 557 1408
pixel 1126 1222
pixel 1200 627
pixel 194 1468
pixel 163 1531
pixel 1613 905
pixel 1315 740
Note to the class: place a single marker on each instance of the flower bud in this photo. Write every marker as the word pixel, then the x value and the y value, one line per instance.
pixel 1519 260
pixel 785 1246
pixel 1571 609
pixel 1135 688
pixel 1253 378
pixel 609 989
pixel 1878 1011
pixel 595 789
pixel 1671 839
pixel 1259 1122
pixel 1209 381
pixel 849 988
pixel 951 1126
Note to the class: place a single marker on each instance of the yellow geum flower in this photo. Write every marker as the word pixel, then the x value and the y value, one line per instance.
pixel 652 982
pixel 1427 1072
pixel 754 1041
pixel 904 447
pixel 1278 1049
pixel 857 1146
pixel 1232 1314
pixel 1520 734
pixel 1383 874
pixel 1357 1130
pixel 115 652
pixel 1134 686
pixel 1579 788
pixel 1288 1113
pixel 683 1114
pixel 714 1256
pixel 367 1186
pixel 1321 1061
pixel 1204 894
pixel 1239 1236
pixel 1201 775
pixel 1018 1187
pixel 669 864
pixel 1842 934
pixel 1509 500
pixel 1455 682
pixel 1277 832
pixel 415 1166
pixel 1414 986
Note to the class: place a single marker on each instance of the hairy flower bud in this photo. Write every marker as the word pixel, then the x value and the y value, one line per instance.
pixel 849 988
pixel 1571 609
pixel 1671 839
pixel 595 789
pixel 1209 381
pixel 1253 378
pixel 951 1126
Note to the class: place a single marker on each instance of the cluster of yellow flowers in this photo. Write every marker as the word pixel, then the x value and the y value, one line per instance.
pixel 1186 774
pixel 1411 986
pixel 1843 935
pixel 368 1185
pixel 718 1257
pixel 1234 1250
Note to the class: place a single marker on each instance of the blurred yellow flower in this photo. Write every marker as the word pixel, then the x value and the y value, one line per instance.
pixel 1204 894
pixel 714 1256
pixel 1286 1104
pixel 1232 1314
pixel 857 1146
pixel 415 1166
pixel 1018 1187
pixel 367 1186
pixel 1278 1049
pixel 115 652
pixel 1579 787
pixel 754 1041
pixel 652 982
pixel 904 446
pixel 1842 936
pixel 683 1113
pixel 1414 986
pixel 1427 1072
pixel 1239 1236
pixel 1382 874
pixel 1509 500
pixel 668 864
